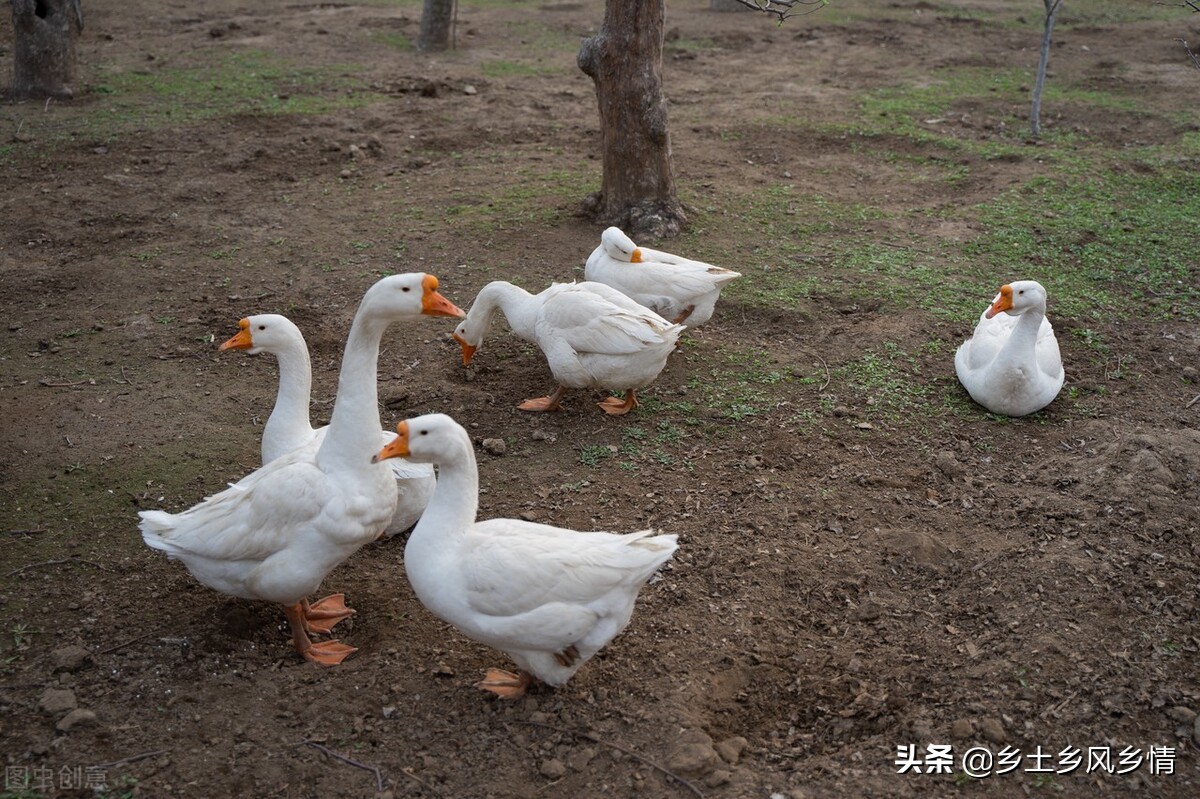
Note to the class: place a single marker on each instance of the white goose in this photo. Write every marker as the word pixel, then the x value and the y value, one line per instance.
pixel 679 289
pixel 592 336
pixel 276 533
pixel 548 597
pixel 289 427
pixel 1011 365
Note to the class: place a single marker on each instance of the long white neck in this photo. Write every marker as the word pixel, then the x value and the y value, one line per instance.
pixel 450 512
pixel 354 427
pixel 288 426
pixel 519 306
pixel 1023 339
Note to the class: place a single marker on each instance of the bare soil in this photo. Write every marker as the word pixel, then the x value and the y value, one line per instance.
pixel 843 587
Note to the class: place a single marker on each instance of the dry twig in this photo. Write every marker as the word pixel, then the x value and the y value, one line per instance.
pixel 130 759
pixel 1195 399
pixel 1188 50
pixel 691 786
pixel 45 381
pixel 127 643
pixel 784 8
pixel 349 761
pixel 56 563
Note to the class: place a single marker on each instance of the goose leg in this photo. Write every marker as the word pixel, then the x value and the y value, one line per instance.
pixel 550 403
pixel 321 616
pixel 616 407
pixel 325 653
pixel 505 684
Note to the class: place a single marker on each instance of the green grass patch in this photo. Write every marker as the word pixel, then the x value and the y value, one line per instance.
pixel 232 82
pixel 1116 244
pixel 891 383
pixel 528 198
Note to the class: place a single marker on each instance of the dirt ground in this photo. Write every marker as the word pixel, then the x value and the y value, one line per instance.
pixel 849 581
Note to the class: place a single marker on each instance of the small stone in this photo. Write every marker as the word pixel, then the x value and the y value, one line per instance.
pixel 1184 715
pixel 553 769
pixel 993 730
pixel 754 461
pixel 58 700
pixel 385 795
pixel 580 758
pixel 869 612
pixel 947 464
pixel 694 755
pixel 865 426
pixel 75 718
pixel 495 446
pixel 731 749
pixel 962 728
pixel 718 778
pixel 841 410
pixel 389 711
pixel 543 435
pixel 538 717
pixel 70 658
pixel 529 515
pixel 469 89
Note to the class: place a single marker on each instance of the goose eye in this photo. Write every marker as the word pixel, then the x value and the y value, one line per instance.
pixel 404 288
pixel 262 327
pixel 1022 291
pixel 424 432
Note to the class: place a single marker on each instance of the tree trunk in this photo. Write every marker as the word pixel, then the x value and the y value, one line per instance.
pixel 437 18
pixel 44 34
pixel 637 191
pixel 1035 113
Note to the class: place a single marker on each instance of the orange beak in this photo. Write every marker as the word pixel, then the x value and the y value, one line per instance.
pixel 636 258
pixel 468 349
pixel 242 340
pixel 398 448
pixel 434 304
pixel 1002 303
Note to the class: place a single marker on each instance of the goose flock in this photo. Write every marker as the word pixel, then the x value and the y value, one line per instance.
pixel 550 598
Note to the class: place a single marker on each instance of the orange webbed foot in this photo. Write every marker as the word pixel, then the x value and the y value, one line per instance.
pixel 328 653
pixel 324 614
pixel 505 684
pixel 539 404
pixel 618 407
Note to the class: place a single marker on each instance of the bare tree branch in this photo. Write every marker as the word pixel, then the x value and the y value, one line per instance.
pixel 784 8
pixel 1188 50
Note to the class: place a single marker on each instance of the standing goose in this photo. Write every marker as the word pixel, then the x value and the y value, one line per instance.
pixel 548 597
pixel 288 426
pixel 276 533
pixel 592 336
pixel 1011 365
pixel 679 289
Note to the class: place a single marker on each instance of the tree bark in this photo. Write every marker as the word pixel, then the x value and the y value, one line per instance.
pixel 44 35
pixel 1035 112
pixel 624 60
pixel 437 17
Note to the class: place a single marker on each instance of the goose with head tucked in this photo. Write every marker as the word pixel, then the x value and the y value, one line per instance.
pixel 679 289
pixel 548 597
pixel 277 532
pixel 593 336
pixel 288 426
pixel 1011 365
